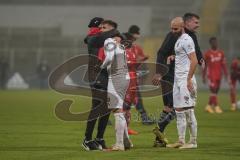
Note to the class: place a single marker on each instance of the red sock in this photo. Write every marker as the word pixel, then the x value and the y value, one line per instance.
pixel 214 100
pixel 210 101
pixel 233 96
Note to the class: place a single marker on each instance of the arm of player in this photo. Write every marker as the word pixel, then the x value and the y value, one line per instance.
pixel 141 57
pixel 109 48
pixel 193 64
pixel 204 70
pixel 198 51
pixel 189 48
pixel 224 67
pixel 225 71
pixel 100 39
pixel 170 59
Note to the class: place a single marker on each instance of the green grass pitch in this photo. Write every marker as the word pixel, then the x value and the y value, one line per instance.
pixel 29 130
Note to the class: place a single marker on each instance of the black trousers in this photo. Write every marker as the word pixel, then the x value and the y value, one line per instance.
pixel 99 110
pixel 167 95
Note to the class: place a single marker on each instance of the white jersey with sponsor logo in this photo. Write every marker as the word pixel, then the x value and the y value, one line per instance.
pixel 118 81
pixel 183 47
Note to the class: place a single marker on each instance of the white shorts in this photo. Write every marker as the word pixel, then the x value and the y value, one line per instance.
pixel 117 88
pixel 181 95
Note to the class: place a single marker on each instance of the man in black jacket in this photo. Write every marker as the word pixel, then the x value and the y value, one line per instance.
pixel 98 82
pixel 165 56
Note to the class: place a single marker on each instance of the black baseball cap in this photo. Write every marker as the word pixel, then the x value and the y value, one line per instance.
pixel 134 29
pixel 95 22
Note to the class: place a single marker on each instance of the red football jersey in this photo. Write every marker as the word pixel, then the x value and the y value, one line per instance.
pixel 216 63
pixel 101 54
pixel 140 56
pixel 132 62
pixel 235 68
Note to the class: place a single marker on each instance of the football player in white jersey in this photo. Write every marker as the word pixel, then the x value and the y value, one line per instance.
pixel 116 63
pixel 185 87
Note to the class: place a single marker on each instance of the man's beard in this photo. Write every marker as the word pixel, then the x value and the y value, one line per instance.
pixel 177 34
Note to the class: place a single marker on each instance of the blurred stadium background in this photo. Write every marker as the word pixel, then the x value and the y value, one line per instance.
pixel 33 31
pixel 53 30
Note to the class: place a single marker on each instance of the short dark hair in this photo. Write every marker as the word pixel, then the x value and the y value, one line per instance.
pixel 188 16
pixel 111 23
pixel 212 39
pixel 134 29
pixel 127 36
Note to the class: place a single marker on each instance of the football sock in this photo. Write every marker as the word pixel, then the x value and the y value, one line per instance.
pixel 192 124
pixel 181 125
pixel 120 125
pixel 233 96
pixel 213 99
pixel 165 119
pixel 210 102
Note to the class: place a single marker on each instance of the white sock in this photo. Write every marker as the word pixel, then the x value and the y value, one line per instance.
pixel 120 123
pixel 192 124
pixel 181 125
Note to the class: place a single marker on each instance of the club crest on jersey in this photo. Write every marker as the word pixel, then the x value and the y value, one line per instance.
pixel 189 47
pixel 186 98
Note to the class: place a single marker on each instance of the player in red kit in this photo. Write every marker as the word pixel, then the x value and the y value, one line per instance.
pixel 235 76
pixel 216 64
pixel 131 94
pixel 134 30
pixel 135 57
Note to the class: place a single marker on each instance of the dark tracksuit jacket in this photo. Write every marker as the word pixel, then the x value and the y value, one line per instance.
pixel 98 78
